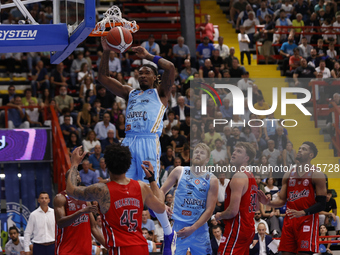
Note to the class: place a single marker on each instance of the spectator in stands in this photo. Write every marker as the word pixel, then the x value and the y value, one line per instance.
pixel 263 11
pixel 211 136
pixel 196 134
pixel 63 100
pixel 17 115
pixel 165 48
pixel 226 109
pixel 151 46
pixel 283 20
pixel 102 173
pixel 298 22
pixel 27 97
pixel 217 61
pixel 270 187
pixel 84 119
pixel 84 70
pixel 40 79
pixel 244 83
pixel 216 240
pixel 330 10
pixel 322 233
pixel 326 216
pixel 295 60
pixel 72 143
pixel 280 139
pixel 9 98
pixel 336 70
pixel 204 70
pixel 305 48
pixel 32 115
pixel 302 7
pixel 102 127
pixel 224 49
pixel 326 73
pixel 248 135
pixel 133 80
pixel 336 26
pixel 177 141
pixel 187 71
pixel 204 50
pixel 90 142
pixel 67 128
pixel 114 64
pixel 267 34
pixel 106 98
pixel 233 140
pixel 243 15
pixel 313 60
pixel 110 139
pixel 249 25
pixel 236 71
pixel 268 213
pixel 151 245
pixel 258 220
pixel 219 155
pixel 76 67
pixel 261 105
pixel 168 157
pixel 273 155
pixel 185 126
pixel 64 112
pixel 180 52
pixel 261 242
pixel 16 243
pixel 181 109
pixel 223 183
pixel 88 177
pixel 95 157
pixel 288 155
pixel 173 96
pixel 331 53
pixel 269 127
pixel 97 112
pixel 184 155
pixel 236 9
pixel 58 78
pixel 228 60
pixel 287 50
pixel 320 50
pixel 207 28
pixel 88 84
pixel 170 122
pixel 243 41
pixel 114 113
pixel 120 126
pixel 147 222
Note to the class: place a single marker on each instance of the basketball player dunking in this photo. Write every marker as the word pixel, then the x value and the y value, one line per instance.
pixel 240 204
pixel 121 202
pixel 74 218
pixel 304 190
pixel 194 202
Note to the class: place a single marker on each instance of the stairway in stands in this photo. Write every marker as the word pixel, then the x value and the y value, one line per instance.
pixel 305 130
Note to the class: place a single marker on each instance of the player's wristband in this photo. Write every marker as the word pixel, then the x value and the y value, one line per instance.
pixel 156 59
pixel 319 206
pixel 151 178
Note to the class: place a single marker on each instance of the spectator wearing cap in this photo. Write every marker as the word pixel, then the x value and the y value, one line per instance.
pixel 249 25
pixel 204 50
pixel 207 28
pixel 223 48
pixel 151 46
pixel 180 52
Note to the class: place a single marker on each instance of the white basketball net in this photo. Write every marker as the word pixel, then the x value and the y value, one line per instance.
pixel 113 16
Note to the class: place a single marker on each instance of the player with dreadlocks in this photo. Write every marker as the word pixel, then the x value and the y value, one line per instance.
pixel 144 115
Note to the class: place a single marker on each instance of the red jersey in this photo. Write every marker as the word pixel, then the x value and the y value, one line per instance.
pixel 122 224
pixel 240 230
pixel 300 190
pixel 67 240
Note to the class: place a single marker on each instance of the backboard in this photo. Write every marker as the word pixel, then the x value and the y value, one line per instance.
pixel 70 24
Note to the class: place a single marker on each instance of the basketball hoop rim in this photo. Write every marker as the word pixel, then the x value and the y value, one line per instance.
pixel 95 33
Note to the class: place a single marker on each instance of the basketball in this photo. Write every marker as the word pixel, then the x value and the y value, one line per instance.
pixel 119 39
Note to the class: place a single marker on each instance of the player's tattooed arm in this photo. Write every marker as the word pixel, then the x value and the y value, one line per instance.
pixel 96 192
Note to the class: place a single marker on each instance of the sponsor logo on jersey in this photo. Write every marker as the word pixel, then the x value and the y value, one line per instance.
pixel 83 218
pixel 189 192
pixel 186 213
pixel 190 186
pixel 188 178
pixel 134 93
pixel 295 195
pixel 304 244
pixel 128 127
pixel 306 228
pixel 137 114
pixel 305 182
pixel 204 183
pixel 202 190
pixel 131 107
pixel 194 201
pixel 134 101
pixel 18 35
pixel 145 101
pixel 197 182
pixel 292 182
pixel 207 177
pixel 129 201
pixel 150 91
pixel 141 93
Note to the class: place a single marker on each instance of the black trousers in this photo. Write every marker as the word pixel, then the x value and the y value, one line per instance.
pixel 248 56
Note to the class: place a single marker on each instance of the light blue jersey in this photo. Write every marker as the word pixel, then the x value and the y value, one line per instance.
pixel 190 196
pixel 144 112
pixel 189 204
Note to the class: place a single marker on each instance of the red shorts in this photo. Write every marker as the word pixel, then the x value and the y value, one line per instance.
pixel 128 250
pixel 236 239
pixel 300 234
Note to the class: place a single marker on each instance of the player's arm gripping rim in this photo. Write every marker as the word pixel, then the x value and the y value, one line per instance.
pixel 95 192
pixel 104 75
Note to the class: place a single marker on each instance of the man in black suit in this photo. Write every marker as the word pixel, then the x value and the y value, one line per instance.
pixel 181 109
pixel 215 241
pixel 280 139
pixel 261 236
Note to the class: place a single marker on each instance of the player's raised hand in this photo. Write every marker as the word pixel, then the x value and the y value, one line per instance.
pixel 262 197
pixel 77 156
pixel 140 51
pixel 104 43
pixel 148 169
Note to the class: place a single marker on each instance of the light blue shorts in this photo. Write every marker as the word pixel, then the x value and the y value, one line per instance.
pixel 143 147
pixel 198 242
